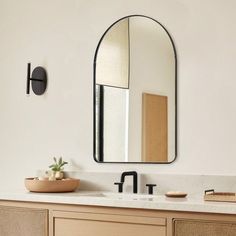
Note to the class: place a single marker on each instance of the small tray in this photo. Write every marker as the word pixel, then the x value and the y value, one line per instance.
pixel 211 195
pixel 176 194
pixel 54 186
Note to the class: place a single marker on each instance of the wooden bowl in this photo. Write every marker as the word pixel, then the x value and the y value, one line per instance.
pixel 54 186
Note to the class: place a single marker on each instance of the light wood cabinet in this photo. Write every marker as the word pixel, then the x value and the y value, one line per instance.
pixel 45 219
pixel 23 221
pixel 89 224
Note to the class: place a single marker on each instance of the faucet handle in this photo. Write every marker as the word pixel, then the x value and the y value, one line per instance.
pixel 120 186
pixel 150 188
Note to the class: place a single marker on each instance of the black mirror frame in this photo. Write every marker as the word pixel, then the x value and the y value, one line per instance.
pixel 94 94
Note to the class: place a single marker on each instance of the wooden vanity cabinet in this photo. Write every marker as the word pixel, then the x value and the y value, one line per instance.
pixel 102 221
pixel 44 219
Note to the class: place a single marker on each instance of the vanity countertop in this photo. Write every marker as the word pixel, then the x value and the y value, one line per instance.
pixel 92 198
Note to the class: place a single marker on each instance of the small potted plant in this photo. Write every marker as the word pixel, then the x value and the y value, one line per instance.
pixel 57 169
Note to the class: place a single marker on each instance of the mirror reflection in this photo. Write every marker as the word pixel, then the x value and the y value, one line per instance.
pixel 135 93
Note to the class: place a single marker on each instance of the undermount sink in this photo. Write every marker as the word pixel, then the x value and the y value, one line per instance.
pixel 122 196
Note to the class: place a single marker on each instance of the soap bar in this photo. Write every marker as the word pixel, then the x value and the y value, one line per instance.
pixel 176 194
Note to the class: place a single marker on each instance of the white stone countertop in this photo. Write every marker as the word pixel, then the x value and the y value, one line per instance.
pixel 92 198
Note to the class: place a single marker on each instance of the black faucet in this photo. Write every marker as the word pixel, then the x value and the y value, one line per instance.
pixel 135 179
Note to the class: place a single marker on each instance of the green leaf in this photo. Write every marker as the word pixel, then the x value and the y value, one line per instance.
pixel 60 161
pixel 57 166
pixel 64 163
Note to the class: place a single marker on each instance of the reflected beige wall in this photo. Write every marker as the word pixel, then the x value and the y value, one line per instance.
pixel 112 65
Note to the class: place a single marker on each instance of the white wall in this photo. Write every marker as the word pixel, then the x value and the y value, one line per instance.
pixel 62 36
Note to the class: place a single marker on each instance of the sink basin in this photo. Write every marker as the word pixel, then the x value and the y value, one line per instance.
pixel 123 196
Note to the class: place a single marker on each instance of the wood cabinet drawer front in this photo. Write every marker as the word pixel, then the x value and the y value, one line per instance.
pixel 79 227
pixel 184 227
pixel 17 221
pixel 113 218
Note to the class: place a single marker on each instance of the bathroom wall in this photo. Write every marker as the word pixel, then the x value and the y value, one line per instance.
pixel 62 36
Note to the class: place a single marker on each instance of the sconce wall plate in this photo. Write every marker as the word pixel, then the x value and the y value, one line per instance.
pixel 39 80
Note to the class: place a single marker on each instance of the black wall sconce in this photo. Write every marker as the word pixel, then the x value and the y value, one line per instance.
pixel 38 78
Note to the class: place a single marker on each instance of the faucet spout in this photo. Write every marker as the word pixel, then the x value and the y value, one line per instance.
pixel 135 179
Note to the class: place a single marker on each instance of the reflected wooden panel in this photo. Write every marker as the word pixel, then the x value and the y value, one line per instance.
pixel 154 128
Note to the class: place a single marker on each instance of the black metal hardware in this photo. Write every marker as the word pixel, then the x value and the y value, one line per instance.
pixel 209 191
pixel 120 186
pixel 135 179
pixel 150 188
pixel 39 80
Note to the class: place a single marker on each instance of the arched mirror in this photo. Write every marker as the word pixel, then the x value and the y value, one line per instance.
pixel 135 76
